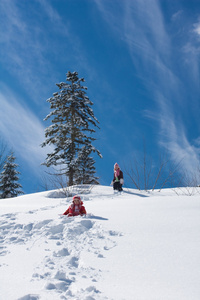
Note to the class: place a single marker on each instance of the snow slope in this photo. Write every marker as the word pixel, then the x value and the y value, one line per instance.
pixel 132 246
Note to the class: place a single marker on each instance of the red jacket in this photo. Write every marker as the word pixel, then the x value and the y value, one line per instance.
pixel 75 210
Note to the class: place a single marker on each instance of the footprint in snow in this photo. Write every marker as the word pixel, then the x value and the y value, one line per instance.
pixel 39 276
pixel 6 227
pixel 87 224
pixel 29 297
pixel 73 262
pixel 59 287
pixel 62 252
pixel 10 216
pixel 115 233
pixel 61 283
pixel 55 232
pixel 28 227
pixel 18 226
pixel 4 252
pixel 16 240
pixel 90 293
pixel 41 224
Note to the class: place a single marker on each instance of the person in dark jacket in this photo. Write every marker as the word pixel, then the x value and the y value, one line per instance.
pixel 118 179
pixel 76 208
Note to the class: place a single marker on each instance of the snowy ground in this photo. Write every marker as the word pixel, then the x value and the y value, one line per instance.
pixel 133 246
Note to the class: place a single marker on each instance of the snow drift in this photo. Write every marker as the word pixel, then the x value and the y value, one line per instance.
pixel 136 245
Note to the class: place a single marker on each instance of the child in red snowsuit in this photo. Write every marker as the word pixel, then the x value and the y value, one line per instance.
pixel 76 208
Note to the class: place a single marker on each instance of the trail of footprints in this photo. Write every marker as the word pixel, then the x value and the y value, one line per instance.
pixel 61 268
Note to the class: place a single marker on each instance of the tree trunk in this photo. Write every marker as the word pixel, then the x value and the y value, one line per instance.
pixel 71 177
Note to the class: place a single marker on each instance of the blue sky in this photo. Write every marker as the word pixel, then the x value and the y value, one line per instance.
pixel 140 60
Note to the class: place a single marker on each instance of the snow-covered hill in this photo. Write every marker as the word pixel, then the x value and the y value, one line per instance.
pixel 133 246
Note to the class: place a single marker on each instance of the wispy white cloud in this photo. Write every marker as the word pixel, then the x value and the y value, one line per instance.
pixel 53 15
pixel 23 54
pixel 197 28
pixel 174 138
pixel 140 24
pixel 30 45
pixel 143 29
pixel 21 129
pixel 197 142
pixel 176 16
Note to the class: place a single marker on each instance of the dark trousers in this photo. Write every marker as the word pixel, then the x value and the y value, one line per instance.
pixel 117 186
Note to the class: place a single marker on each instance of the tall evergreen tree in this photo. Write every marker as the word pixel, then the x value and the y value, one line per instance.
pixel 85 171
pixel 72 118
pixel 9 185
